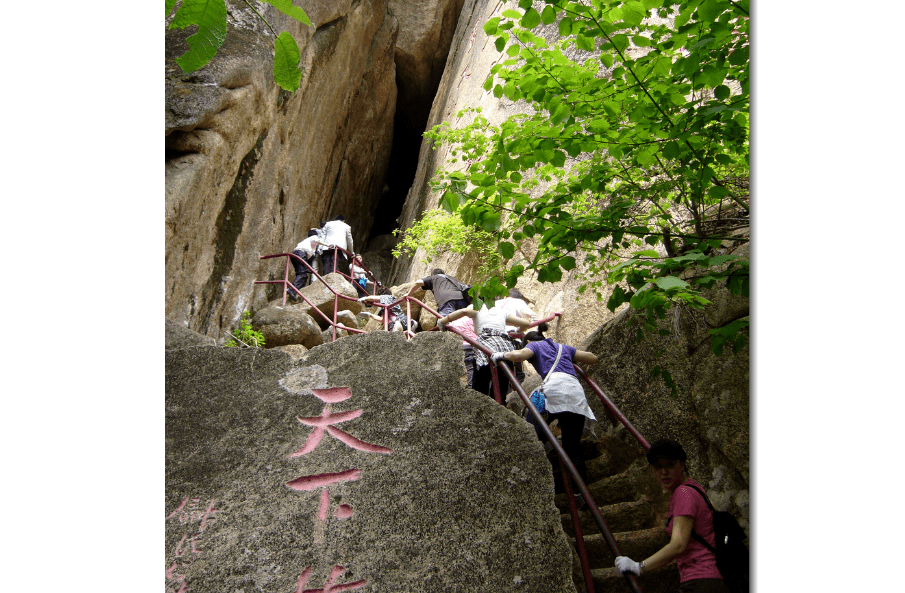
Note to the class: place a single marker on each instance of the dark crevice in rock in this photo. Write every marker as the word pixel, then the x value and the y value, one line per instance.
pixel 229 226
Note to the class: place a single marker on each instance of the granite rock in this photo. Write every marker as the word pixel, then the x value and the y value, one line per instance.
pixel 416 485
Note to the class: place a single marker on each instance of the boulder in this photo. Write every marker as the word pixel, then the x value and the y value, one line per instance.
pixel 282 326
pixel 327 334
pixel 322 298
pixel 295 351
pixel 179 336
pixel 425 318
pixel 389 476
pixel 348 318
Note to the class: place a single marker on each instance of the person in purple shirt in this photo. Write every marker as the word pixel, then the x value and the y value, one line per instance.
pixel 566 401
pixel 688 512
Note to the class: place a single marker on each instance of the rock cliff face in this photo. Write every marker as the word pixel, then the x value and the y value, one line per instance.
pixel 711 413
pixel 250 168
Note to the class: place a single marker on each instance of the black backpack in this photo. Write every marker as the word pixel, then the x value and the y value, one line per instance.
pixel 731 552
pixel 460 286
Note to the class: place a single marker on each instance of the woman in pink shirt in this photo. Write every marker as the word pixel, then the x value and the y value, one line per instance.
pixel 688 512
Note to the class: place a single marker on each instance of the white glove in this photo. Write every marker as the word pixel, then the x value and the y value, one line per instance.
pixel 497 357
pixel 625 564
pixel 362 299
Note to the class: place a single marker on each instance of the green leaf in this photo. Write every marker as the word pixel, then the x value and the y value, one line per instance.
pixel 512 14
pixel 721 92
pixel 498 91
pixel 210 17
pixel 490 26
pixel 507 249
pixel 668 282
pixel 633 13
pixel 531 19
pixel 286 71
pixel 449 201
pixel 490 222
pixel 567 263
pixel 287 8
pixel 585 43
pixel 565 26
pixel 709 10
pixel 500 43
pixel 548 15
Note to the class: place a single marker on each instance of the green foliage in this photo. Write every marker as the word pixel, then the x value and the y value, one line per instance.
pixel 630 158
pixel 440 232
pixel 732 334
pixel 210 18
pixel 246 334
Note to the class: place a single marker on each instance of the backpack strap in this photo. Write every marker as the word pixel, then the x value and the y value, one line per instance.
pixel 555 362
pixel 694 533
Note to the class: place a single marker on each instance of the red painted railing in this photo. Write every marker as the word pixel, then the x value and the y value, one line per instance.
pixel 569 468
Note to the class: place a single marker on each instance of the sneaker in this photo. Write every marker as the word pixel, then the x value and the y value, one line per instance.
pixel 579 501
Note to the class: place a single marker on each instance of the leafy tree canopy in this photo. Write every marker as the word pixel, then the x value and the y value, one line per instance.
pixel 440 232
pixel 638 139
pixel 210 18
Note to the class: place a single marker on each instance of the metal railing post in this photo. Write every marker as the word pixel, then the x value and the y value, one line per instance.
pixel 286 281
pixel 579 535
pixel 611 408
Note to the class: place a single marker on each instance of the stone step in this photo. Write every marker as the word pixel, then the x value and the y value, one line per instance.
pixel 622 516
pixel 634 544
pixel 661 580
pixel 614 457
pixel 609 490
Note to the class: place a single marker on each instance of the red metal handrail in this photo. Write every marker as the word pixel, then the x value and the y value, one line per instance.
pixel 612 409
pixel 286 285
pixel 576 478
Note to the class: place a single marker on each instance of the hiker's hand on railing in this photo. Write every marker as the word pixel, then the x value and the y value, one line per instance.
pixel 441 327
pixel 625 564
pixel 497 357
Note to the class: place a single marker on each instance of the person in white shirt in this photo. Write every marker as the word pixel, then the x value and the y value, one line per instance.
pixel 515 304
pixel 336 234
pixel 306 250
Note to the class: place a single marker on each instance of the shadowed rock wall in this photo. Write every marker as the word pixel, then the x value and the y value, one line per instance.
pixel 250 168
pixel 710 415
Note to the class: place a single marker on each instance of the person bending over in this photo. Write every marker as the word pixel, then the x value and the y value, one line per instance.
pixel 565 398
pixel 490 327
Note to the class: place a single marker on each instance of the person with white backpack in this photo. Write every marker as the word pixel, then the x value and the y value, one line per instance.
pixel 563 394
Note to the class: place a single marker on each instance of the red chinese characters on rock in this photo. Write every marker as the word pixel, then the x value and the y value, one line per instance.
pixel 324 424
pixel 189 547
pixel 329 587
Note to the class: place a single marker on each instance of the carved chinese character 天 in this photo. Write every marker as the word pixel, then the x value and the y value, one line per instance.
pixel 324 423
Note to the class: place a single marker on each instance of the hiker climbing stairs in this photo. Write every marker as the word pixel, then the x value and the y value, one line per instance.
pixel 634 506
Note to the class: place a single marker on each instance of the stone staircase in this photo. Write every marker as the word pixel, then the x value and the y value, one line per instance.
pixel 634 506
